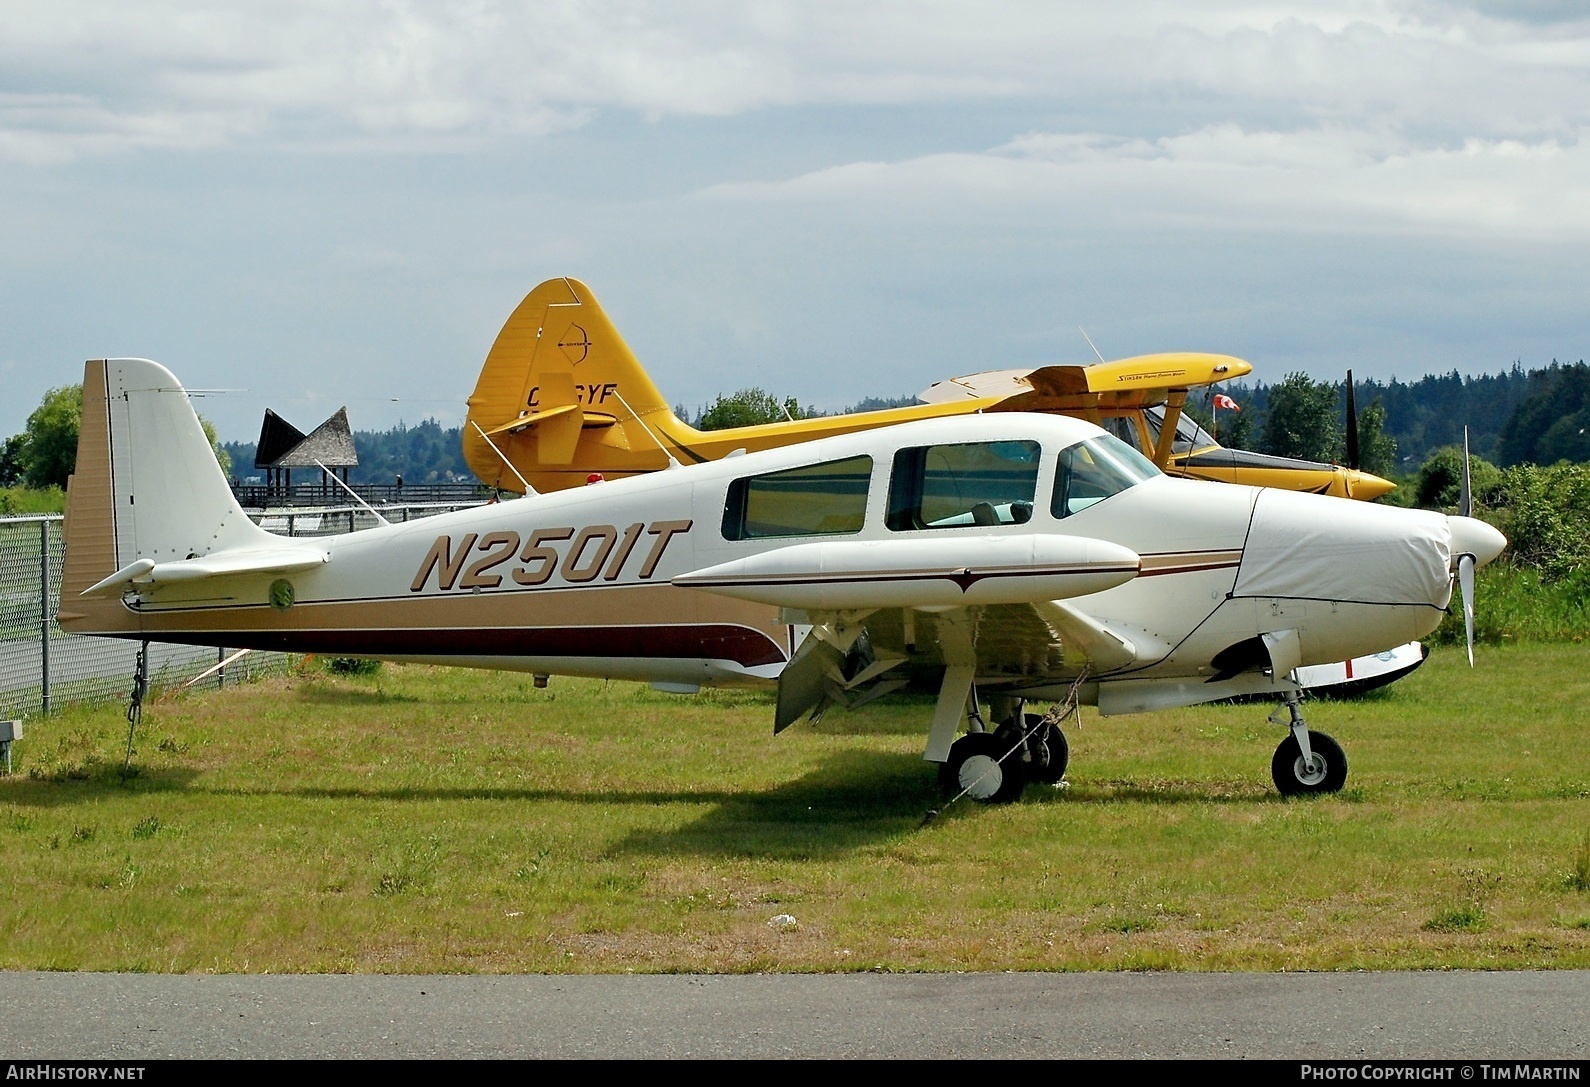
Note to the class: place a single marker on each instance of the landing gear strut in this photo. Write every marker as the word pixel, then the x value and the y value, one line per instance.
pixel 1306 761
pixel 991 767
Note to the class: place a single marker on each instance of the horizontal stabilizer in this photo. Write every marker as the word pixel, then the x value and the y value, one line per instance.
pixel 531 420
pixel 589 420
pixel 950 572
pixel 221 564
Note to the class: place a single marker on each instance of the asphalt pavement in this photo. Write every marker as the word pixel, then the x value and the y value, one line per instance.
pixel 1446 1015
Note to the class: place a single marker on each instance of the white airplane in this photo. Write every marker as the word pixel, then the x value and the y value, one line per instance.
pixel 1011 556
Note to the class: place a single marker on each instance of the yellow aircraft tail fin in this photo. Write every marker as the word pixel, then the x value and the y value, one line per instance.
pixel 561 392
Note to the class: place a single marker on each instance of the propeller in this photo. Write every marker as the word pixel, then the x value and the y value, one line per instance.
pixel 1473 544
pixel 1466 494
pixel 1352 425
pixel 1466 561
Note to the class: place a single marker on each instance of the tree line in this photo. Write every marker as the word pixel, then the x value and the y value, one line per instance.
pixel 1515 417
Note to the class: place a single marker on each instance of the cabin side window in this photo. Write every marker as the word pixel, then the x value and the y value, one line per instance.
pixel 1094 470
pixel 972 483
pixel 828 499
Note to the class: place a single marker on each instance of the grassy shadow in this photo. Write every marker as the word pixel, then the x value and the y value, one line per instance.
pixel 94 780
pixel 852 800
pixel 424 794
pixel 854 787
pixel 327 695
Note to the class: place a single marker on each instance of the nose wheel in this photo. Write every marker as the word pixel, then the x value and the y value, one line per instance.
pixel 1307 761
pixel 1324 771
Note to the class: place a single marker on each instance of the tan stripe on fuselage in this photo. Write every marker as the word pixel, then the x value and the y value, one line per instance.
pixel 90 527
pixel 1183 562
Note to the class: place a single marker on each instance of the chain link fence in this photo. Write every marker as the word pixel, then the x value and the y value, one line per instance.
pixel 42 667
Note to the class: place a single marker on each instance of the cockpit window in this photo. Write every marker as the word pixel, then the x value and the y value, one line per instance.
pixel 1093 471
pixel 1123 427
pixel 973 483
pixel 1189 435
pixel 828 499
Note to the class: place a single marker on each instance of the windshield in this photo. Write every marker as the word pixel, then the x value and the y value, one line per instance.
pixel 1094 470
pixel 1189 435
pixel 1124 427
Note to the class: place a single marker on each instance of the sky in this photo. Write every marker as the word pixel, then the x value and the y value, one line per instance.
pixel 301 206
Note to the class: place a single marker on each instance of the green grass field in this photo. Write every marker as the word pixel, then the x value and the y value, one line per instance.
pixel 437 820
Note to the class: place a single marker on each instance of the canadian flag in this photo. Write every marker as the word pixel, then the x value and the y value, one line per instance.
pixel 1225 403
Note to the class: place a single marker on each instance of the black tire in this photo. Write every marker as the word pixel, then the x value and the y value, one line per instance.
pixel 1292 778
pixel 1050 753
pixel 974 768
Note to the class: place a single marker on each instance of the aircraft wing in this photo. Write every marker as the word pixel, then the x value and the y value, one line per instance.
pixel 989 383
pixel 849 575
pixel 880 611
pixel 1125 383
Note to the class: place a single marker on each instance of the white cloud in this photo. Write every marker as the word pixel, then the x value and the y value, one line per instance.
pixel 884 192
pixel 1225 177
pixel 101 75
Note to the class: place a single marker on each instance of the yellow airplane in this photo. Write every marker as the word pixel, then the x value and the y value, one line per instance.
pixel 562 398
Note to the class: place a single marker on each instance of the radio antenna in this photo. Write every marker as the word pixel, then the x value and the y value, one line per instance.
pixel 1090 341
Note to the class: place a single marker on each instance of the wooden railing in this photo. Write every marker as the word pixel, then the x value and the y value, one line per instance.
pixel 319 493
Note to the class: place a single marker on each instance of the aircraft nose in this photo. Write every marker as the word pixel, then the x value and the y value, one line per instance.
pixel 1312 547
pixel 1471 536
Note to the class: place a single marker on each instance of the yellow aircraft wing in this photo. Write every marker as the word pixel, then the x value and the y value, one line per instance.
pixel 1125 384
pixel 1097 390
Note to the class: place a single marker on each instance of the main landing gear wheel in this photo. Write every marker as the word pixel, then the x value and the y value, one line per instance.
pixel 1050 752
pixel 974 767
pixel 1325 773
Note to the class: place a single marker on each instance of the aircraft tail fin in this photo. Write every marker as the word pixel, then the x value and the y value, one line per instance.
pixel 147 490
pixel 560 379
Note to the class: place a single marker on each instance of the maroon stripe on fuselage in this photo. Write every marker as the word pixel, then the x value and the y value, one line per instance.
pixel 1189 569
pixel 713 641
